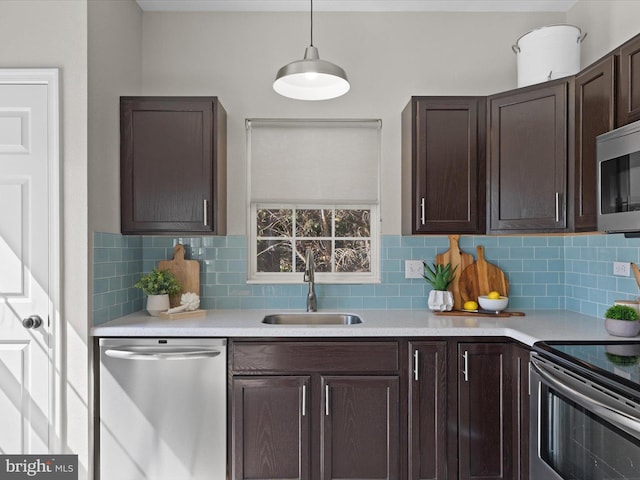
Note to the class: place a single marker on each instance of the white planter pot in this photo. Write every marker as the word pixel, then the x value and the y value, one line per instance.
pixel 157 304
pixel 622 328
pixel 440 300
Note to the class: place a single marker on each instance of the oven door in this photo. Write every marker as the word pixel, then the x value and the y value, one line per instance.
pixel 580 430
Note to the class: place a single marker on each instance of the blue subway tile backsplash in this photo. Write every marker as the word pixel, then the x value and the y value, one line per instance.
pixel 544 272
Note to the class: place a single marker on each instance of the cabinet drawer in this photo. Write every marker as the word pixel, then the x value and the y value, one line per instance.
pixel 309 357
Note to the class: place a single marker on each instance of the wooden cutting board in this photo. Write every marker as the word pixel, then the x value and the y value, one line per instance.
pixel 481 278
pixel 455 257
pixel 187 272
pixel 462 313
pixel 636 273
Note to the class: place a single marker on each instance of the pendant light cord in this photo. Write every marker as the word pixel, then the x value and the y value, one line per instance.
pixel 312 23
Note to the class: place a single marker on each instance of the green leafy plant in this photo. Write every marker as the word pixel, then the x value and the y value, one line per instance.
pixel 159 282
pixel 622 312
pixel 440 276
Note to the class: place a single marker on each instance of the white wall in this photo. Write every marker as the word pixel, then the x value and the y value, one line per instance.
pixel 388 57
pixel 115 69
pixel 608 23
pixel 53 33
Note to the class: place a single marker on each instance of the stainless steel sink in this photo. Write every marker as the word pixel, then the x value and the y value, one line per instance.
pixel 312 319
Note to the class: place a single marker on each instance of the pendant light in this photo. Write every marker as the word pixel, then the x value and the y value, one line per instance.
pixel 311 78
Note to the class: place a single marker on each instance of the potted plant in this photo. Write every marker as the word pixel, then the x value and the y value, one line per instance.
pixel 439 277
pixel 158 285
pixel 622 321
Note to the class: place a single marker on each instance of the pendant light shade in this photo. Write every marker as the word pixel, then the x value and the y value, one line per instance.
pixel 311 78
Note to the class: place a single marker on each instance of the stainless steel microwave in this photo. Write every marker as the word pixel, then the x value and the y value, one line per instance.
pixel 618 179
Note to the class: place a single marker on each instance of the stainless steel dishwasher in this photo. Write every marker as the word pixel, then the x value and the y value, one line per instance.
pixel 162 407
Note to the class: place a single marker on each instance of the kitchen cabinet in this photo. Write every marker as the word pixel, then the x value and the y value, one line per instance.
pixel 485 409
pixel 319 409
pixel 521 356
pixel 443 165
pixel 594 114
pixel 528 159
pixel 629 83
pixel 428 409
pixel 172 165
pixel 270 427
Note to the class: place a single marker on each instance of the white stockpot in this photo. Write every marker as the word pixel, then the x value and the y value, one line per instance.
pixel 547 53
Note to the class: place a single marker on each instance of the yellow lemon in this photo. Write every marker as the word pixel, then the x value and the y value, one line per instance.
pixel 470 305
pixel 493 295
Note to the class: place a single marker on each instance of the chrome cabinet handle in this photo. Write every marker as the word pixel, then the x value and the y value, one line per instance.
pixel 557 207
pixel 206 212
pixel 415 365
pixel 326 399
pixel 422 210
pixel 33 321
pixel 304 400
pixel 465 368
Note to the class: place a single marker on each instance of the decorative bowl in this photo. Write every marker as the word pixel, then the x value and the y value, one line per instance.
pixel 493 304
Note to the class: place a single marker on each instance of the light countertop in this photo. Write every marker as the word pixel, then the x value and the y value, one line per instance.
pixel 536 325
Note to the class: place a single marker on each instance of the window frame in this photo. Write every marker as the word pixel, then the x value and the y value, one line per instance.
pixel 255 277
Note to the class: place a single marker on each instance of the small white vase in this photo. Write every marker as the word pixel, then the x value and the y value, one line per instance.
pixel 440 300
pixel 157 304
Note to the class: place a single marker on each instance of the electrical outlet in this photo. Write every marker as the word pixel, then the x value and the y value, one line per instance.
pixel 413 269
pixel 622 269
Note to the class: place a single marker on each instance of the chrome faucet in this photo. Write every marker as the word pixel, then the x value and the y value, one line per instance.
pixel 309 273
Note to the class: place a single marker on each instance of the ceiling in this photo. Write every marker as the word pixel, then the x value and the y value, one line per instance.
pixel 357 5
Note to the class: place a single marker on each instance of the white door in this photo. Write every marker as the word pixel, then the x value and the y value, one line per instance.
pixel 26 360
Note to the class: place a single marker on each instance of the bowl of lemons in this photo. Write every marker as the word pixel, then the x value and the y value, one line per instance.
pixel 493 301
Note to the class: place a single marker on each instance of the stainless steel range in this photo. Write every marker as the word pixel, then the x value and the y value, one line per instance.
pixel 585 411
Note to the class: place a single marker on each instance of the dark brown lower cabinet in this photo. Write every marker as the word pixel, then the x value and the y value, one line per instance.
pixel 270 427
pixel 360 436
pixel 319 410
pixel 521 415
pixel 427 410
pixel 485 409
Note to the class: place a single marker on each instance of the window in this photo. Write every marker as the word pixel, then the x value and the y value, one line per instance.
pixel 340 237
pixel 313 184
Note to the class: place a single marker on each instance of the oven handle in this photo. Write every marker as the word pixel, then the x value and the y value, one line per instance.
pixel 620 419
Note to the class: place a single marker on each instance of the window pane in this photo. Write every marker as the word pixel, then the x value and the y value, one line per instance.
pixel 313 222
pixel 353 223
pixel 321 254
pixel 274 223
pixel 353 256
pixel 274 256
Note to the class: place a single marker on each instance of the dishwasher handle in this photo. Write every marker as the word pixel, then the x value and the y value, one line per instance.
pixel 137 353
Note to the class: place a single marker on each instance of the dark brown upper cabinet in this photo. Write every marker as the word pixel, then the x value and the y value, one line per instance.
pixel 595 102
pixel 528 159
pixel 443 165
pixel 172 165
pixel 629 83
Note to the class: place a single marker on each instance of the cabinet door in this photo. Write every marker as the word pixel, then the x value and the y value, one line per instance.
pixel 270 428
pixel 446 192
pixel 359 428
pixel 629 92
pixel 172 165
pixel 528 159
pixel 428 411
pixel 485 411
pixel 595 114
pixel 521 410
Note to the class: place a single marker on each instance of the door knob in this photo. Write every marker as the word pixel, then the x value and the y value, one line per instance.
pixel 34 321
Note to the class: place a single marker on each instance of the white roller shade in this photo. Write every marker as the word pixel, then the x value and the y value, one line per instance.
pixel 314 161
